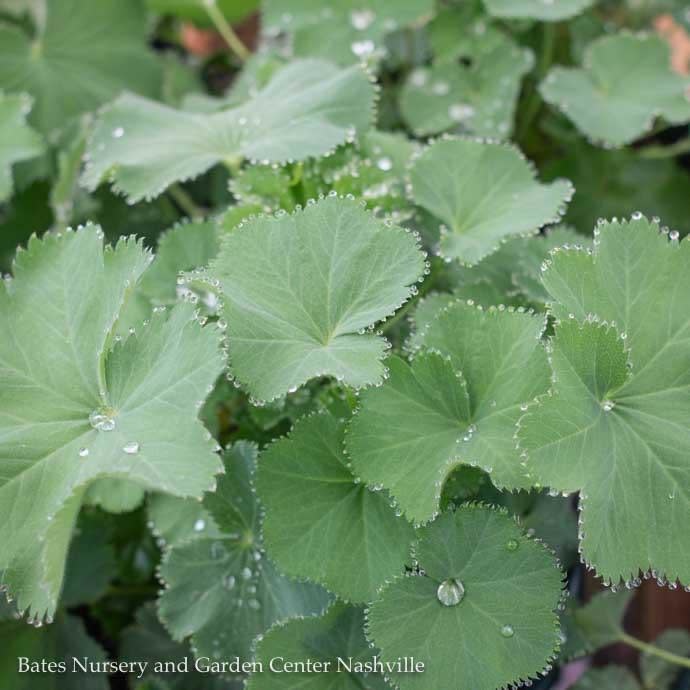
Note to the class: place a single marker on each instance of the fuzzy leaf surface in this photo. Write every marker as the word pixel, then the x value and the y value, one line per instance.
pixel 18 142
pixel 626 82
pixel 455 404
pixel 80 59
pixel 146 388
pixel 483 193
pixel 299 288
pixel 616 426
pixel 207 577
pixel 508 579
pixel 323 524
pixel 307 109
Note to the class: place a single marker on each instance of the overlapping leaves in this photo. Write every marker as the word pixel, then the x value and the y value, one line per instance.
pixel 482 615
pixel 81 58
pixel 456 180
pixel 616 424
pixel 209 576
pixel 321 522
pixel 307 109
pixel 299 288
pixel 457 402
pixel 76 406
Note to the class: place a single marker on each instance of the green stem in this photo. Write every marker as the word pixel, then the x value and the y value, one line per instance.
pixel 185 202
pixel 545 59
pixel 677 149
pixel 226 31
pixel 655 651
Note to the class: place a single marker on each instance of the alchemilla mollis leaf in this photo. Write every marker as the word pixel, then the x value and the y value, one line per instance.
pixel 307 109
pixel 321 522
pixel 481 614
pixel 84 55
pixel 610 102
pixel 482 193
pixel 456 403
pixel 209 579
pixel 18 142
pixel 301 290
pixel 544 10
pixel 615 427
pixel 76 405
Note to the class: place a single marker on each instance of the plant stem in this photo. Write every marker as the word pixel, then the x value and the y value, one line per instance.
pixel 655 651
pixel 226 31
pixel 185 202
pixel 545 59
pixel 671 151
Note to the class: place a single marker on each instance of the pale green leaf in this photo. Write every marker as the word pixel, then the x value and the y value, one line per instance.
pixel 87 53
pixel 307 109
pixel 616 425
pixel 74 408
pixel 544 10
pixel 300 289
pixel 503 630
pixel 457 404
pixel 660 673
pixel 483 193
pixel 355 30
pixel 626 82
pixel 174 520
pixel 18 142
pixel 338 634
pixel 321 522
pixel 479 98
pixel 207 579
pixel 115 495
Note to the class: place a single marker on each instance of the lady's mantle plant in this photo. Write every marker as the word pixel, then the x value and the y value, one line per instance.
pixel 354 392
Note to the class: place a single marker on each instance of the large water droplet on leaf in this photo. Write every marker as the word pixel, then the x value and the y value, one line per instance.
pixel 451 592
pixel 102 420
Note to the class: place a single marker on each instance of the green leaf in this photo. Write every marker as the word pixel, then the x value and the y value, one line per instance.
pixel 206 578
pixel 615 426
pixel 483 193
pixel 482 615
pixel 339 633
pixel 115 495
pixel 597 624
pixel 74 407
pixel 618 677
pixel 60 642
pixel 553 520
pixel 612 103
pixel 355 30
pixel 321 522
pixel 300 289
pixel 175 520
pixel 657 672
pixel 18 142
pixel 544 10
pixel 479 98
pixel 457 403
pixel 80 59
pixel 307 109
pixel 193 10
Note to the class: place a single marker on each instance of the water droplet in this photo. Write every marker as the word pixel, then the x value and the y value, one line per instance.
pixel 254 604
pixel 451 592
pixel 507 631
pixel 362 19
pixel 460 112
pixel 83 452
pixel 363 48
pixel 512 545
pixel 229 581
pixel 418 78
pixel 440 88
pixel 384 164
pixel 118 132
pixel 199 525
pixel 607 405
pixel 101 420
pixel 246 573
pixel 131 448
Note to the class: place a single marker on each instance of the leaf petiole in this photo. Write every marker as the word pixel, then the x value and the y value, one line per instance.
pixel 655 651
pixel 226 31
